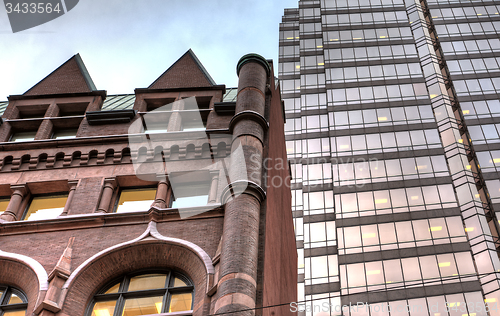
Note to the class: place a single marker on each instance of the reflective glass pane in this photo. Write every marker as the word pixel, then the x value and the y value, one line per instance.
pixel 135 200
pixel 178 282
pixel 113 289
pixel 143 306
pixel 190 195
pixel 3 204
pixel 65 133
pixel 180 302
pixel 104 308
pixel 23 136
pixel 45 207
pixel 147 282
pixel 14 299
pixel 19 313
pixel 392 270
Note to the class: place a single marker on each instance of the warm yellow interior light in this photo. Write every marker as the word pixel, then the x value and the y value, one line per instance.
pixel 321 64
pixel 468 167
pixel 414 198
pixel 436 228
pixel 102 312
pixel 469 229
pixel 298 66
pixel 383 36
pixel 380 201
pixel 433 96
pixel 444 264
pixel 369 235
pixel 465 111
pixel 373 272
pixel 158 307
pixel 454 304
pixel 382 118
pixel 496 160
pixel 490 300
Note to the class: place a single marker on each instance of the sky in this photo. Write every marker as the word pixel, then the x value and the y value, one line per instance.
pixel 128 44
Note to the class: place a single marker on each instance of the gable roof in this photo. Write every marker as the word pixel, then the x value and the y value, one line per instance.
pixel 70 77
pixel 186 72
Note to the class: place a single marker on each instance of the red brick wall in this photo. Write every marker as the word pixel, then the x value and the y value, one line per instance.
pixel 280 257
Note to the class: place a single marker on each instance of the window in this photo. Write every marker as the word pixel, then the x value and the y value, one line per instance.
pixel 65 133
pixel 12 302
pixel 4 202
pixel 144 294
pixel 190 195
pixel 45 207
pixel 133 200
pixel 23 136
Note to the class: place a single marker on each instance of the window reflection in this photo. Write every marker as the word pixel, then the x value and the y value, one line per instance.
pixel 45 207
pixel 134 200
pixel 411 271
pixel 400 234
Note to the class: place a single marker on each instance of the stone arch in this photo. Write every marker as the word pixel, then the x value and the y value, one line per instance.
pixel 93 157
pixel 126 157
pixel 150 250
pixel 25 162
pixel 42 161
pixel 76 158
pixel 109 156
pixel 7 163
pixel 190 151
pixel 59 160
pixel 206 151
pixel 221 149
pixel 26 274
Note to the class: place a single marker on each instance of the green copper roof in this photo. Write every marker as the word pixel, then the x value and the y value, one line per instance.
pixel 126 101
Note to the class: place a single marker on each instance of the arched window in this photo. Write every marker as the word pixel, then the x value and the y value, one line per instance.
pixel 144 294
pixel 12 302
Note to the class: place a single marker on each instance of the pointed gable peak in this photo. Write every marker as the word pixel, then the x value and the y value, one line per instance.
pixel 186 72
pixel 70 77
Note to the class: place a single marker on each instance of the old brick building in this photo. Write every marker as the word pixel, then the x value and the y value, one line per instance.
pixel 153 203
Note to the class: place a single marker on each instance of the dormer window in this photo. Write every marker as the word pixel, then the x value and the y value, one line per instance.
pixel 23 136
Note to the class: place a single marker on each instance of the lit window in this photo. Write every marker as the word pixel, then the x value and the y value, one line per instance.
pixel 134 200
pixel 45 207
pixel 3 204
pixel 23 136
pixel 190 195
pixel 144 294
pixel 12 302
pixel 65 133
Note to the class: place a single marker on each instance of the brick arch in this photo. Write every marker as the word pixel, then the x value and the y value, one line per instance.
pixel 151 250
pixel 26 274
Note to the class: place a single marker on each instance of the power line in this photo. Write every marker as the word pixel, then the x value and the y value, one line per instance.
pixel 335 296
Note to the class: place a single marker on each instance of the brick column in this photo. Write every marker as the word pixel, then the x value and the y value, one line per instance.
pixel 72 187
pixel 107 195
pixel 13 211
pixel 161 195
pixel 175 121
pixel 239 250
pixel 46 128
pixel 212 195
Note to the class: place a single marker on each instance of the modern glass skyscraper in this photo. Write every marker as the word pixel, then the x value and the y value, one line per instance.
pixel 393 122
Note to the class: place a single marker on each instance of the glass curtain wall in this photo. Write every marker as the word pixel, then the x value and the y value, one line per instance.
pixel 393 122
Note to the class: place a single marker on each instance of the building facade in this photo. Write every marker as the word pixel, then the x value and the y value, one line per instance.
pixel 152 203
pixel 392 130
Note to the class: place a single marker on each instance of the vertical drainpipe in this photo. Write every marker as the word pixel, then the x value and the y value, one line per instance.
pixel 239 252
